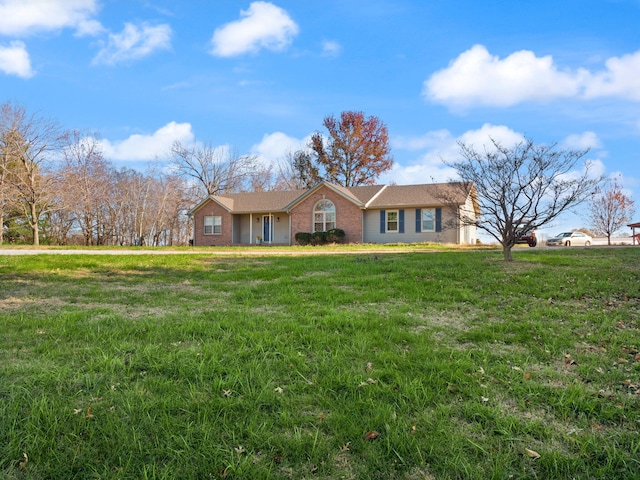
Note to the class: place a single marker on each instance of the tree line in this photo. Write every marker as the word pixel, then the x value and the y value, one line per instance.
pixel 56 186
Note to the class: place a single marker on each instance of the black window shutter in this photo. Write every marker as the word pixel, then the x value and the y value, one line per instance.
pixel 418 220
pixel 383 221
pixel 401 221
pixel 438 219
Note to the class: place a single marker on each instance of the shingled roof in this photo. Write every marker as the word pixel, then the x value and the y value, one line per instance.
pixel 368 196
pixel 421 195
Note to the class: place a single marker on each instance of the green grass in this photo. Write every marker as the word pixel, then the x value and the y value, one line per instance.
pixel 205 366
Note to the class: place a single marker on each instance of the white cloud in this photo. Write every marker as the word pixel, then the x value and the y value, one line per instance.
pixel 89 28
pixel 479 78
pixel 14 60
pixel 263 25
pixel 581 141
pixel 428 140
pixel 25 17
pixel 277 145
pixel 133 43
pixel 331 48
pixel 476 77
pixel 620 79
pixel 481 138
pixel 148 147
pixel 443 145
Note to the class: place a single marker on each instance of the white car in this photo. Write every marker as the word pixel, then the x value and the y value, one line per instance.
pixel 570 238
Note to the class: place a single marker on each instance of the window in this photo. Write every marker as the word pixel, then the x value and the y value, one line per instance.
pixel 324 216
pixel 429 220
pixel 392 220
pixel 212 225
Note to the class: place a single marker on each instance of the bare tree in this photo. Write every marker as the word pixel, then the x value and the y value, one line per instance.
pixel 521 188
pixel 85 183
pixel 214 169
pixel 610 209
pixel 7 171
pixel 31 142
pixel 296 171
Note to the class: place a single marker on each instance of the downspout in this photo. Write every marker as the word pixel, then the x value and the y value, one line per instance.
pixel 251 229
pixel 193 219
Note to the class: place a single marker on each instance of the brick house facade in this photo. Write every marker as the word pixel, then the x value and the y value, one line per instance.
pixel 367 214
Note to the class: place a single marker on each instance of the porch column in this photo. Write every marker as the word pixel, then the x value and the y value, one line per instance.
pixel 272 219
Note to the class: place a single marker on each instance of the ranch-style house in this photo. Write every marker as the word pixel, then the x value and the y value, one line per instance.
pixel 367 214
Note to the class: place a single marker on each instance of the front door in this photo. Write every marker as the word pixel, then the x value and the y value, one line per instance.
pixel 266 228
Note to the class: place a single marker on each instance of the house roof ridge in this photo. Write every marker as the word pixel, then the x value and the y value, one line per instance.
pixel 372 199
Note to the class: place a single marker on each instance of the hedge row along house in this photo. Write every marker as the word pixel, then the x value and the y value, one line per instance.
pixel 367 214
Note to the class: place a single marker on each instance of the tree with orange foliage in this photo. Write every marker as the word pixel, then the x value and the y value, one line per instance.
pixel 610 209
pixel 356 151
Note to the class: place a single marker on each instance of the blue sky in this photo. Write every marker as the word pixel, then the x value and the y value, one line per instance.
pixel 260 76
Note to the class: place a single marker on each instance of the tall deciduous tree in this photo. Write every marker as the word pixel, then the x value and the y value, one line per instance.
pixel 31 143
pixel 356 151
pixel 296 171
pixel 7 171
pixel 214 169
pixel 85 178
pixel 610 209
pixel 523 187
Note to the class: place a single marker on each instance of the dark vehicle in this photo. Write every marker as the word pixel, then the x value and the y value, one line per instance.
pixel 530 239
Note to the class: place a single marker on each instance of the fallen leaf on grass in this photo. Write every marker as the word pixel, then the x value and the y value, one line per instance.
pixel 24 461
pixel 278 390
pixel 370 381
pixel 89 414
pixel 240 450
pixel 372 435
pixel 345 447
pixel 532 454
pixel 369 367
pixel 527 376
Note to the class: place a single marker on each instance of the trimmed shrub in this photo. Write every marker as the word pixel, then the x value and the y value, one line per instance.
pixel 319 238
pixel 303 238
pixel 335 235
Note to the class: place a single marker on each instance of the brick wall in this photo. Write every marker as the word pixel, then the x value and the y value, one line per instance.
pixel 348 215
pixel 212 208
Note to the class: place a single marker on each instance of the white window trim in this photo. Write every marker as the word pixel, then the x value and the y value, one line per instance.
pixel 213 224
pixel 397 220
pixel 324 216
pixel 433 218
